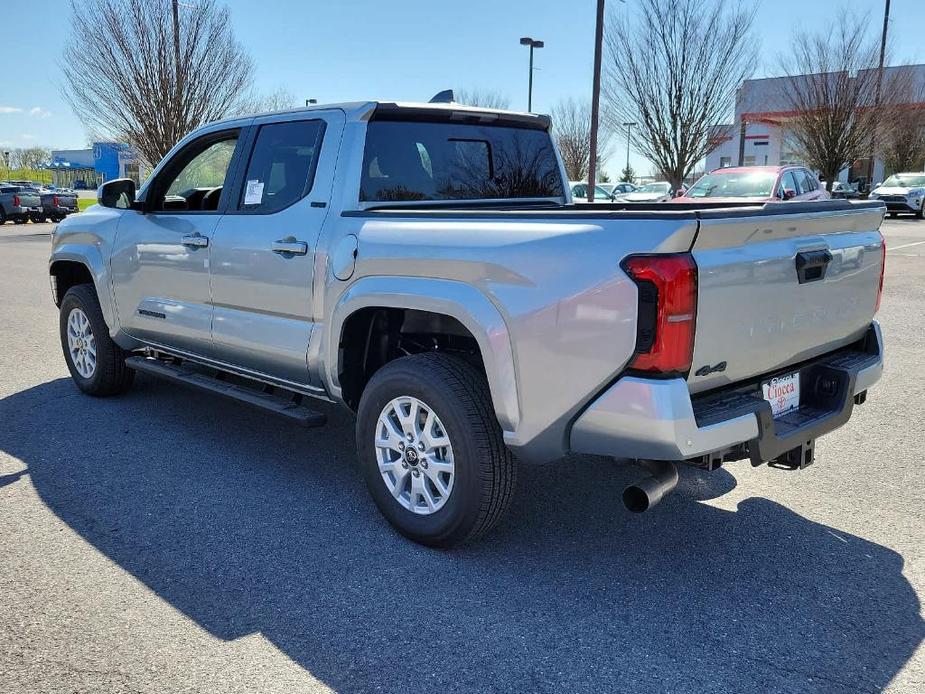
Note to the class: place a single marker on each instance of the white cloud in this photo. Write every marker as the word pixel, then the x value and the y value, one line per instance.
pixel 26 136
pixel 39 112
pixel 10 109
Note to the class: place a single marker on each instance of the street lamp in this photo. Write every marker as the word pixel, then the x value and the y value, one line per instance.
pixel 629 127
pixel 527 41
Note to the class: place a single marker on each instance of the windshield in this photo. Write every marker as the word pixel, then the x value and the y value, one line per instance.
pixel 751 184
pixel 654 188
pixel 904 181
pixel 452 161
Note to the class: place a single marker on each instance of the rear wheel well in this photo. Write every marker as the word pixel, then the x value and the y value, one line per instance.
pixel 372 337
pixel 67 274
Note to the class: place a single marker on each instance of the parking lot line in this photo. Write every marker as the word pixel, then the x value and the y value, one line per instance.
pixel 905 245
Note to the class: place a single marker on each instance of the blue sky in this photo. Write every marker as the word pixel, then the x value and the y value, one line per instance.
pixel 343 50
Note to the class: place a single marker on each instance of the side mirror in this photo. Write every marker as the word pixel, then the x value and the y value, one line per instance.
pixel 118 193
pixel 679 193
pixel 789 193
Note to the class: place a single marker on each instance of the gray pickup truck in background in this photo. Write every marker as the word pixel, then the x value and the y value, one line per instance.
pixel 424 266
pixel 18 204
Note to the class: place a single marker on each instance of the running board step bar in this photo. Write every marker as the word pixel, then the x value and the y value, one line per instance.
pixel 270 398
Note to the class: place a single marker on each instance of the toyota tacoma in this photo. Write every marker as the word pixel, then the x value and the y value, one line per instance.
pixel 424 266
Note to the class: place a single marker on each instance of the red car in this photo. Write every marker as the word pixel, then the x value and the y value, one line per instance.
pixel 758 183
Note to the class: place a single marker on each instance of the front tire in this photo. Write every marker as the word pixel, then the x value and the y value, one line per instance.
pixel 431 449
pixel 96 363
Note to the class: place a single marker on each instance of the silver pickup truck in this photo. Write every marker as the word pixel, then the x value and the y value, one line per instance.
pixel 424 266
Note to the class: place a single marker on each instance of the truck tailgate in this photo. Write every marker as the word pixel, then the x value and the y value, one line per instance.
pixel 782 285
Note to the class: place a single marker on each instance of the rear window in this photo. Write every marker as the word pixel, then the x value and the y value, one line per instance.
pixel 448 161
pixel 750 184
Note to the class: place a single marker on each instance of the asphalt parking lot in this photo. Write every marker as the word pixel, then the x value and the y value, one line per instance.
pixel 169 541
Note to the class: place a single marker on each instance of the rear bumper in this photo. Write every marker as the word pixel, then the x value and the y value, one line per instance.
pixel 659 420
pixel 59 210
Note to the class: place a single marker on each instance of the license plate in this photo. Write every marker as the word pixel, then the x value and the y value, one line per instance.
pixel 783 393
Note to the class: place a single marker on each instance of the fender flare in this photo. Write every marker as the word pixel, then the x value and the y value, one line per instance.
pixel 458 300
pixel 90 257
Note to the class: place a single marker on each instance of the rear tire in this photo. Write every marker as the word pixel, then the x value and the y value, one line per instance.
pixel 96 363
pixel 20 220
pixel 450 422
pixel 2 217
pixel 921 213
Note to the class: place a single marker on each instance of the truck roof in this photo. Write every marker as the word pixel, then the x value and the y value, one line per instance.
pixel 363 110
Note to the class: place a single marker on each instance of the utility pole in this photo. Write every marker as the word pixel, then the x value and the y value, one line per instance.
pixel 178 77
pixel 742 128
pixel 878 95
pixel 532 43
pixel 595 98
pixel 629 128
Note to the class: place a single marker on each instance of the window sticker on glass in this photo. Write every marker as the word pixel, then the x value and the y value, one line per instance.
pixel 253 194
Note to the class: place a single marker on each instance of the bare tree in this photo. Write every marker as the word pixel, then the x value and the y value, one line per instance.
pixel 674 68
pixel 486 98
pixel 903 147
pixel 901 135
pixel 33 157
pixel 147 73
pixel 830 86
pixel 571 128
pixel 279 100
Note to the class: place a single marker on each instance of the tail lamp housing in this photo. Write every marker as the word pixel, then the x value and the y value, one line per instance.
pixel 882 270
pixel 667 312
pixel 16 201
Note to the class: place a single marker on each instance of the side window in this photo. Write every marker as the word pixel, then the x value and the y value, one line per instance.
pixel 198 184
pixel 809 181
pixel 788 182
pixel 580 191
pixel 282 166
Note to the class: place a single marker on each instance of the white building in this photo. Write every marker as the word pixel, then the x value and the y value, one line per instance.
pixel 764 107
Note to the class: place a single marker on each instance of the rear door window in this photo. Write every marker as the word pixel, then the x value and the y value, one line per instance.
pixel 451 161
pixel 805 181
pixel 282 166
pixel 789 182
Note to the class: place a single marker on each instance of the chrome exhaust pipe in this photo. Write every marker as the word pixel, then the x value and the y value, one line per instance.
pixel 648 491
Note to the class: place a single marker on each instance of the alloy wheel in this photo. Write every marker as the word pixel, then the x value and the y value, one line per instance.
pixel 415 455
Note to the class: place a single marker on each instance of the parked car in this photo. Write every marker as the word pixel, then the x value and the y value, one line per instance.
pixel 756 183
pixel 659 191
pixel 904 192
pixel 81 184
pixel 18 204
pixel 842 191
pixel 618 190
pixel 419 264
pixel 55 206
pixel 580 192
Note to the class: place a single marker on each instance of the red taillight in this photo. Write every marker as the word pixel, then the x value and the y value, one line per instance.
pixel 54 201
pixel 667 311
pixel 882 270
pixel 15 201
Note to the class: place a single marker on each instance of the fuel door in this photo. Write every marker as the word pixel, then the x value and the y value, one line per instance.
pixel 344 257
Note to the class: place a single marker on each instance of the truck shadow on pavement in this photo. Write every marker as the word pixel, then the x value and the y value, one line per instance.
pixel 247 524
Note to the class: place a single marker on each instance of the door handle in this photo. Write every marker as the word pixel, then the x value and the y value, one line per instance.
pixel 195 241
pixel 811 265
pixel 290 247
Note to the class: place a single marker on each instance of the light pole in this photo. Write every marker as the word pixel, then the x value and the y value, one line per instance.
pixel 533 43
pixel 877 96
pixel 595 98
pixel 629 127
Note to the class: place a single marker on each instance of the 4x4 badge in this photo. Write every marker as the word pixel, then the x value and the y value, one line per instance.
pixel 707 370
